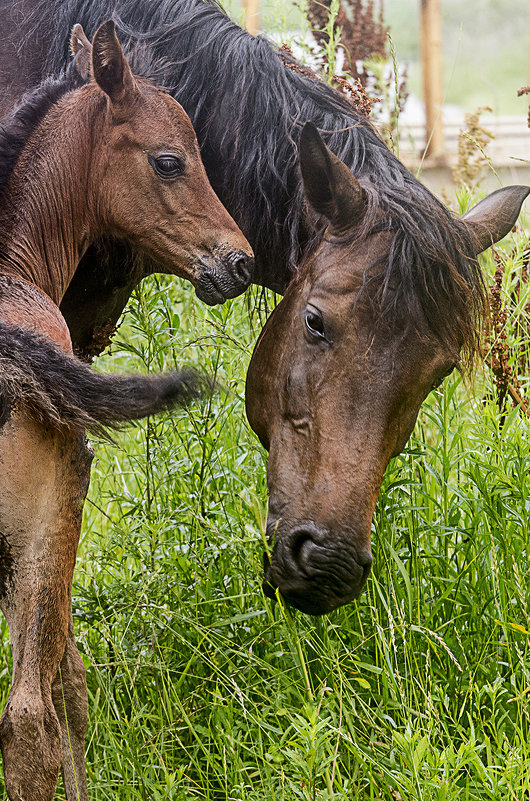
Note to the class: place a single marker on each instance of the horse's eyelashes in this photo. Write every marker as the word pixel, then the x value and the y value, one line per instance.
pixel 167 165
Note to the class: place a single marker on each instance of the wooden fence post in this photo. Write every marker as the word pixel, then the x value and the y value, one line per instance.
pixel 431 57
pixel 528 45
pixel 251 16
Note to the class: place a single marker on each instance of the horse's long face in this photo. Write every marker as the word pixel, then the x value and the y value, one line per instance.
pixel 333 398
pixel 153 189
pixel 333 392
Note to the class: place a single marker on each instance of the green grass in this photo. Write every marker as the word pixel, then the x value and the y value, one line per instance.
pixel 200 688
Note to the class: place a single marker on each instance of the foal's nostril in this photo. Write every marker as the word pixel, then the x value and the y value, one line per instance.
pixel 242 265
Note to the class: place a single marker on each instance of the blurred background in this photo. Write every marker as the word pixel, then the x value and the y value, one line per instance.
pixel 452 59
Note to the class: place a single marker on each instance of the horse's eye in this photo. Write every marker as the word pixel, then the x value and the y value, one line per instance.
pixel 439 381
pixel 314 323
pixel 167 165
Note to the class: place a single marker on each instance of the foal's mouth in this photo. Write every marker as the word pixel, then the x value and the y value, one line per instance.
pixel 225 277
pixel 208 291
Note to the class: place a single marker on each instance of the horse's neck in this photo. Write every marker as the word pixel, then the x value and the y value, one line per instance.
pixel 44 216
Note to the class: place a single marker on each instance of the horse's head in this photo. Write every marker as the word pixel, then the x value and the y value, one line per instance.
pixel 153 189
pixel 343 365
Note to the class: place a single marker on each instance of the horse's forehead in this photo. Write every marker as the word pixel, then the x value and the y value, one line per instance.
pixel 340 272
pixel 343 281
pixel 342 267
pixel 159 114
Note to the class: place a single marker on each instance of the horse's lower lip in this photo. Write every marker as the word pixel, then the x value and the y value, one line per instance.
pixel 208 291
pixel 306 604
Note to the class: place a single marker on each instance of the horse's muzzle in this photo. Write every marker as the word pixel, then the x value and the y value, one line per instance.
pixel 314 571
pixel 225 276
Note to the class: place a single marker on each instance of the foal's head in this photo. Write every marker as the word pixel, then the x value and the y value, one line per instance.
pixel 155 186
pixel 365 331
pixel 118 158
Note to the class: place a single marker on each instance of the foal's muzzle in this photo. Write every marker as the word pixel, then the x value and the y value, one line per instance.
pixel 224 276
pixel 314 570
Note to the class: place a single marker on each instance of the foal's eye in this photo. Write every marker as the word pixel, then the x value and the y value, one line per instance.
pixel 167 165
pixel 314 323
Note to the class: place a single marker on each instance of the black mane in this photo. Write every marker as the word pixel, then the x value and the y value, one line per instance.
pixel 18 126
pixel 248 108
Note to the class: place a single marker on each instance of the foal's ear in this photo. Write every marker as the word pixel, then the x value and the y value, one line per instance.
pixel 110 68
pixel 81 50
pixel 494 217
pixel 332 190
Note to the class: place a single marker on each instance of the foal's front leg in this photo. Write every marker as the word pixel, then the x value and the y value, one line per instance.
pixel 43 481
pixel 69 692
pixel 69 696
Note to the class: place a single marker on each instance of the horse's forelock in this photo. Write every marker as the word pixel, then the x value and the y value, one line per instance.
pixel 436 278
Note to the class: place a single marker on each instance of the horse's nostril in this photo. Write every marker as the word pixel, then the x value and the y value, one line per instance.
pixel 310 551
pixel 301 538
pixel 317 569
pixel 301 545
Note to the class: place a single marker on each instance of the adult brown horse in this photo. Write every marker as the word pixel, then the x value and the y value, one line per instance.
pixel 115 156
pixel 364 332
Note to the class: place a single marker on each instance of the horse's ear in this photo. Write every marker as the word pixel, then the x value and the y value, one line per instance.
pixel 332 190
pixel 110 68
pixel 81 50
pixel 494 217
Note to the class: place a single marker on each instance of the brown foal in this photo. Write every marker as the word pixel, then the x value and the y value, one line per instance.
pixel 114 157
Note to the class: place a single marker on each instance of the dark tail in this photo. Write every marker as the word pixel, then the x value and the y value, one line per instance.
pixel 59 389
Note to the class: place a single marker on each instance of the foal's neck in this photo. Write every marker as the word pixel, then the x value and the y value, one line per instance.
pixel 46 219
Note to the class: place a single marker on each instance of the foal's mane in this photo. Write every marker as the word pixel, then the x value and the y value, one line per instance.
pixel 18 126
pixel 248 108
